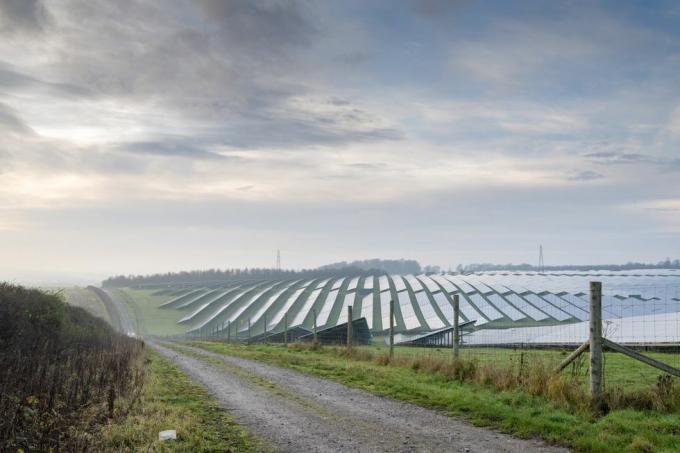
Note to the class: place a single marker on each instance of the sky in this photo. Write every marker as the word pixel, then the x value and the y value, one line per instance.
pixel 143 136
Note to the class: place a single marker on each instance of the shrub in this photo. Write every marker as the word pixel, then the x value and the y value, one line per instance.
pixel 61 372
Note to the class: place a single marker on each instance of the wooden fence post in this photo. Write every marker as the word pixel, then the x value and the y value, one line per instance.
pixel 285 329
pixel 456 333
pixel 349 327
pixel 596 344
pixel 391 329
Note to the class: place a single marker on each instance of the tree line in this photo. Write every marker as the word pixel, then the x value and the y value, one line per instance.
pixel 487 267
pixel 200 277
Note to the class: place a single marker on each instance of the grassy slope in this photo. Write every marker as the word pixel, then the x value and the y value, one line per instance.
pixel 152 320
pixel 513 411
pixel 81 297
pixel 171 401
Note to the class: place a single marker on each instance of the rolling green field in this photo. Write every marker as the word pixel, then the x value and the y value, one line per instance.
pixel 515 411
pixel 150 319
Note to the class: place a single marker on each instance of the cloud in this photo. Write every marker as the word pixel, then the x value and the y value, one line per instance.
pixel 267 26
pixel 232 69
pixel 11 79
pixel 170 149
pixel 435 8
pixel 23 16
pixel 617 158
pixel 10 122
pixel 584 175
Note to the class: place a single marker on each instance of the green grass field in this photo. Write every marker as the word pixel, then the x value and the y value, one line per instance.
pixel 620 370
pixel 514 411
pixel 171 401
pixel 150 319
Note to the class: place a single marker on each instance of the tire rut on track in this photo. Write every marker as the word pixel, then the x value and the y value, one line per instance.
pixel 295 412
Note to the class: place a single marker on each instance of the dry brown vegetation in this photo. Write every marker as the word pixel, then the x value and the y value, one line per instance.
pixel 63 372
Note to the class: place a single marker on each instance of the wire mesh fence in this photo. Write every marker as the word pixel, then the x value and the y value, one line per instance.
pixel 517 332
pixel 549 327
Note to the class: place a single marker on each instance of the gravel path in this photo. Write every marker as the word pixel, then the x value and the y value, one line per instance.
pixel 294 412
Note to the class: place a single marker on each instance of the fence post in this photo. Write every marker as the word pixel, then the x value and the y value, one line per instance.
pixel 285 329
pixel 596 343
pixel 248 330
pixel 315 339
pixel 456 333
pixel 228 331
pixel 391 329
pixel 349 327
pixel 265 327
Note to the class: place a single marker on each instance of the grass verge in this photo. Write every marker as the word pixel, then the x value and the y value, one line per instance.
pixel 514 411
pixel 170 400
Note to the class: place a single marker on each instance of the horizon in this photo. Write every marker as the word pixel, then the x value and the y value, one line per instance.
pixel 165 136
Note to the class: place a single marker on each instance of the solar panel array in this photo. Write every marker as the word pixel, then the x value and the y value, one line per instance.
pixel 519 303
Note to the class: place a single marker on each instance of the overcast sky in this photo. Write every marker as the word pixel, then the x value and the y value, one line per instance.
pixel 143 136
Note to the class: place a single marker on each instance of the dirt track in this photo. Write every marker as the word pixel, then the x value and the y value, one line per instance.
pixel 295 412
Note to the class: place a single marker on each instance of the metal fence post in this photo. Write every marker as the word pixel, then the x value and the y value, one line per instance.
pixel 228 331
pixel 456 333
pixel 265 327
pixel 315 339
pixel 596 343
pixel 248 330
pixel 391 329
pixel 349 327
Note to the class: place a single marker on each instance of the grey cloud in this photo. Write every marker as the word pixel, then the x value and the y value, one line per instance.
pixel 12 79
pixel 615 157
pixel 435 8
pixel 624 158
pixel 11 123
pixel 585 175
pixel 265 24
pixel 339 102
pixel 368 165
pixel 671 165
pixel 275 131
pixel 170 149
pixel 237 67
pixel 23 16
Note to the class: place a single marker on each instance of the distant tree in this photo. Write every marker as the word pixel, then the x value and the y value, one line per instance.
pixel 400 266
pixel 432 269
